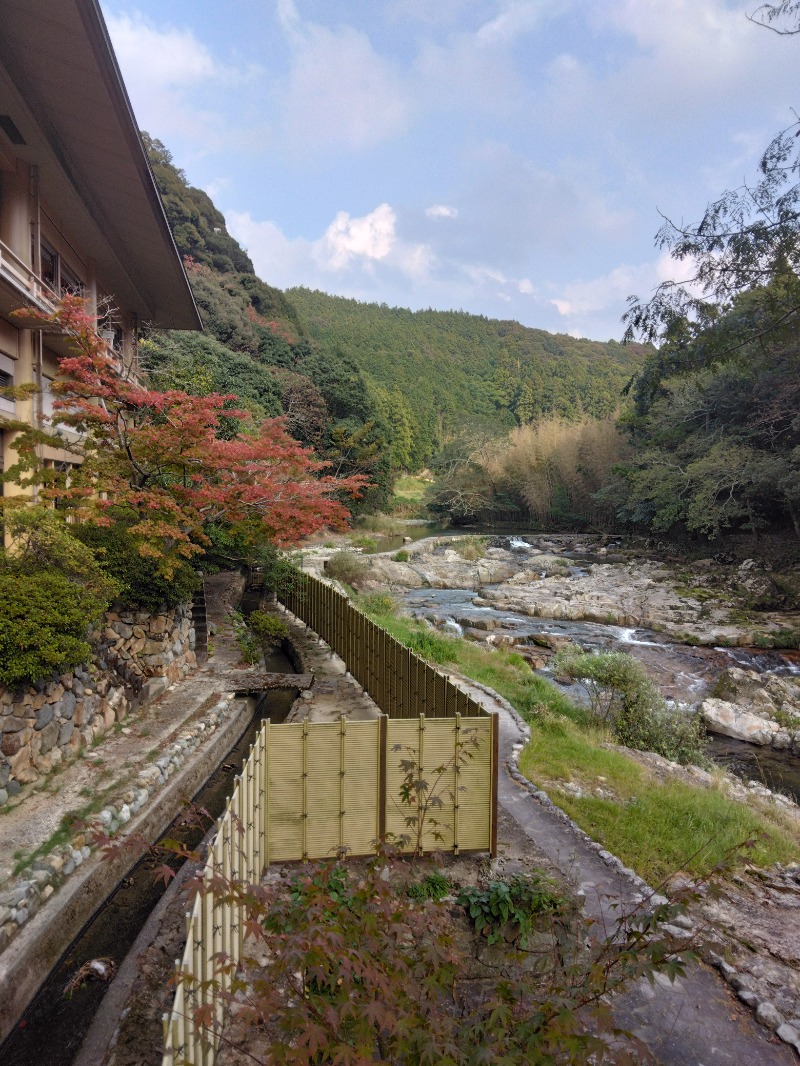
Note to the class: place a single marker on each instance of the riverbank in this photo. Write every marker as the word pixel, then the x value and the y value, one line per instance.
pixel 532 835
pixel 658 817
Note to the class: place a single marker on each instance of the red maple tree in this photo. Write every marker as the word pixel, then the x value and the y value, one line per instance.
pixel 168 458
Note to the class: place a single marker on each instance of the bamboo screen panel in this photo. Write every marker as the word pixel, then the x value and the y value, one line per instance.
pixel 310 791
pixel 402 684
pixel 324 789
pixel 457 771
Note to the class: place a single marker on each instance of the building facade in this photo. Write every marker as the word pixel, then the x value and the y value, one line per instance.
pixel 79 209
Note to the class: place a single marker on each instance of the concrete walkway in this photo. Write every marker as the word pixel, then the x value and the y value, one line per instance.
pixel 697 1021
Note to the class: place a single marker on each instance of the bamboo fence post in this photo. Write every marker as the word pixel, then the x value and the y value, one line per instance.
pixel 342 772
pixel 420 772
pixel 456 779
pixel 305 790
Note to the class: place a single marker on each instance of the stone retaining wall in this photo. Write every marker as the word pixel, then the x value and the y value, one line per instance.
pixel 136 657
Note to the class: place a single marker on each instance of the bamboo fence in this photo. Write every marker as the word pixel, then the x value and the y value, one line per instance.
pixel 315 790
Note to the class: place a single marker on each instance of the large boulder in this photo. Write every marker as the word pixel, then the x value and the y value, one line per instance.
pixel 734 721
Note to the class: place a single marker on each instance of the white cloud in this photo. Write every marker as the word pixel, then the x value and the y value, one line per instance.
pixel 441 211
pixel 369 237
pixel 525 286
pixel 174 79
pixel 587 304
pixel 348 250
pixel 518 18
pixel 169 57
pixel 341 94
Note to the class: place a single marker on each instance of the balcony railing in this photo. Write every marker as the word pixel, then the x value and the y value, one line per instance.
pixel 29 284
pixel 34 290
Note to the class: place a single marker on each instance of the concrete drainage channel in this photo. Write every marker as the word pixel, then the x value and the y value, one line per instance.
pixel 53 1026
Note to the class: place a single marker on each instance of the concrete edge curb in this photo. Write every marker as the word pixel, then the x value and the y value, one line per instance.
pixel 26 963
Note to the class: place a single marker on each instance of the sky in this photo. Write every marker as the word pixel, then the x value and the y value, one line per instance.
pixel 510 158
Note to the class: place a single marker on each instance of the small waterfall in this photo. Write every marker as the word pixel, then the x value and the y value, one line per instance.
pixel 763 662
pixel 452 626
pixel 516 544
pixel 628 636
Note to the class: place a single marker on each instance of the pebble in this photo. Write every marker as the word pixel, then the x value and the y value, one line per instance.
pixel 768 1014
pixel 789 1035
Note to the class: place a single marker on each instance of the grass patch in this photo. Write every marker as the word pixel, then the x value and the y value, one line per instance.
pixel 504 671
pixel 381 524
pixel 469 548
pixel 408 499
pixel 655 827
pixel 361 540
pixel 68 827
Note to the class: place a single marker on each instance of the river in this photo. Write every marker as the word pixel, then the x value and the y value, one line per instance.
pixel 684 673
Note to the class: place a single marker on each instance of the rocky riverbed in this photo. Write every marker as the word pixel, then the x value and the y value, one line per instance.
pixel 695 626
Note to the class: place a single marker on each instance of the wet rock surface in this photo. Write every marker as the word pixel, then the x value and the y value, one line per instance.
pixel 753 937
pixel 583 578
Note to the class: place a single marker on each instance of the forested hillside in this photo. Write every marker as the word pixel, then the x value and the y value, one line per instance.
pixel 256 347
pixel 435 373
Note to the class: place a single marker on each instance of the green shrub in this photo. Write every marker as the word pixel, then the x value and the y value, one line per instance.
pixel 144 585
pixel 346 567
pixel 511 903
pixel 41 542
pixel 401 556
pixel 434 886
pixel 44 619
pixel 268 627
pixel 623 697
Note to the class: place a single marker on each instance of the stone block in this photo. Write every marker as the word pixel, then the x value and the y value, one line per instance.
pixel 10 744
pixel 21 766
pixel 42 764
pixel 68 702
pixel 154 686
pixel 123 629
pixel 158 624
pixel 45 716
pixel 12 724
pixel 66 731
pixel 49 736
pixel 768 1015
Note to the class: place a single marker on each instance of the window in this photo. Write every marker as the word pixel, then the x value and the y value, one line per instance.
pixel 57 274
pixel 7 406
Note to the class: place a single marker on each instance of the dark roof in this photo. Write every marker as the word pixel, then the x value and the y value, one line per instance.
pixel 62 89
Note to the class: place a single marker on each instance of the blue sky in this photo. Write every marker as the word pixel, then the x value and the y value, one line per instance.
pixel 506 157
